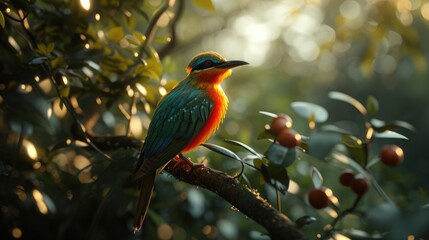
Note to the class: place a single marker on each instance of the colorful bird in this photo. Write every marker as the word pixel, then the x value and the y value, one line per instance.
pixel 184 118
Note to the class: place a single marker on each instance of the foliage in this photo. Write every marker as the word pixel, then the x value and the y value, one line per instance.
pixel 344 150
pixel 70 70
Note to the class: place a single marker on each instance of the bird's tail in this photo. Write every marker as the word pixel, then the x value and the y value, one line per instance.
pixel 146 189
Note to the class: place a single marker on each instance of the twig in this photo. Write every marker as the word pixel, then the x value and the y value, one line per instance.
pixel 166 48
pixel 151 28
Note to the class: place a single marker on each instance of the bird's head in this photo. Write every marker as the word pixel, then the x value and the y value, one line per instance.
pixel 211 67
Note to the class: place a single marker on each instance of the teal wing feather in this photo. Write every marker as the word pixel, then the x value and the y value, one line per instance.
pixel 179 117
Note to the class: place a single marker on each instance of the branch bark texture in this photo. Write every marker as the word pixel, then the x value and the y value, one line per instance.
pixel 241 197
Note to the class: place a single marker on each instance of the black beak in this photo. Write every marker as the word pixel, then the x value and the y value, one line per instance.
pixel 231 64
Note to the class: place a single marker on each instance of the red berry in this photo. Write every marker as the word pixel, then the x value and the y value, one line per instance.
pixel 346 178
pixel 360 186
pixel 289 138
pixel 391 155
pixel 318 199
pixel 279 123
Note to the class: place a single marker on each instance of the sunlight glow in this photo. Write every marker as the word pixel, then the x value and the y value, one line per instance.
pixel 86 4
pixel 41 205
pixel 16 233
pixel 59 109
pixel 339 236
pixel 165 231
pixel 30 149
pixel 293 187
pixel 136 126
pixel 141 89
pixel 350 9
pixel 424 10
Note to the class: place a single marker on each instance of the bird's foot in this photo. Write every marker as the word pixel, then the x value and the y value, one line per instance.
pixel 189 162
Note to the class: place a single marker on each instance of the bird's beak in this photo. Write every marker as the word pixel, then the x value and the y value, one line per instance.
pixel 231 64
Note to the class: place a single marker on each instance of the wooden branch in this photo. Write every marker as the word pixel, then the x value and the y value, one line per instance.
pixel 244 199
pixel 241 197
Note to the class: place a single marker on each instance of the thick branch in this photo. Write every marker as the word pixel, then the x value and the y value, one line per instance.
pixel 241 197
pixel 230 189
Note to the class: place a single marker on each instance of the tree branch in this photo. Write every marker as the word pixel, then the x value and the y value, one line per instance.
pixel 241 197
pixel 244 199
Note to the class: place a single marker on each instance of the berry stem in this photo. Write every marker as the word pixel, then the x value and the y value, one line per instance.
pixel 328 233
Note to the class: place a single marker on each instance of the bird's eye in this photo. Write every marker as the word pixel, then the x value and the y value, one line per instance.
pixel 208 63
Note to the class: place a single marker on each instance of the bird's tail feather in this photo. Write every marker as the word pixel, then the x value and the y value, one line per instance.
pixel 146 189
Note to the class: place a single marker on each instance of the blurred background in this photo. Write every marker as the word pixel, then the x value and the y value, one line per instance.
pixel 102 57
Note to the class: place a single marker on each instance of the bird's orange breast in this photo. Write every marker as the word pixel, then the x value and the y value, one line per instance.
pixel 220 105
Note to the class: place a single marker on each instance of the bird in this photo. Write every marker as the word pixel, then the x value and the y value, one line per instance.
pixel 183 119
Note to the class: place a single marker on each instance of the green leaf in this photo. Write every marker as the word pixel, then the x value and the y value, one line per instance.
pixel 310 111
pixel 42 48
pixel 355 148
pixel 321 143
pixel 280 155
pixel 38 60
pixel 372 105
pixel 276 176
pixel 50 47
pixel 317 178
pixel 204 4
pixel 305 220
pixel 346 98
pixel 359 234
pixel 265 134
pixel 240 144
pixel 221 150
pixel 269 114
pixel 2 21
pixel 115 34
pixel 389 134
pixel 381 126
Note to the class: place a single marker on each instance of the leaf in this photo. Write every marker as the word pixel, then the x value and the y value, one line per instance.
pixel 240 144
pixel 2 21
pixel 276 176
pixel 355 148
pixel 305 220
pixel 383 215
pixel 115 34
pixel 389 134
pixel 381 126
pixel 139 37
pixel 321 143
pixel 346 98
pixel 42 48
pixel 269 114
pixel 359 234
pixel 221 150
pixel 280 155
pixel 310 110
pixel 265 134
pixel 204 4
pixel 350 163
pixel 38 60
pixel 317 178
pixel 372 105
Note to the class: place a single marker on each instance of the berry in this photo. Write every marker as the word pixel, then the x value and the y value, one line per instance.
pixel 360 185
pixel 391 155
pixel 279 123
pixel 318 199
pixel 289 138
pixel 346 178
